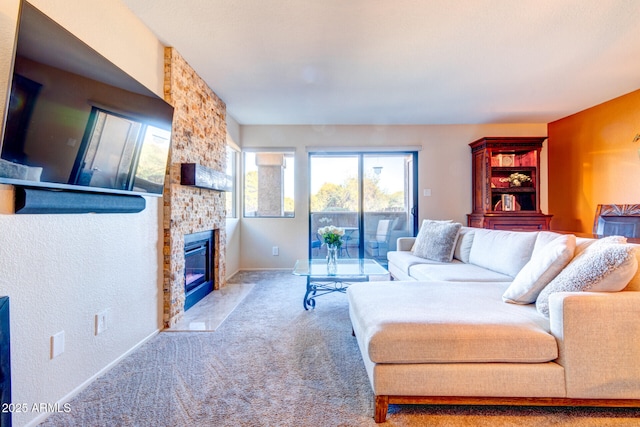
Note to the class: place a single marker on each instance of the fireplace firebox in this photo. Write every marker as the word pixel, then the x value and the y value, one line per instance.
pixel 198 267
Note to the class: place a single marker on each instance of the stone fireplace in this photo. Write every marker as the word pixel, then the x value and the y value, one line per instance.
pixel 199 136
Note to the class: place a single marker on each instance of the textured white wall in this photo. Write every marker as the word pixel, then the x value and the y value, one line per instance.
pixel 444 167
pixel 60 270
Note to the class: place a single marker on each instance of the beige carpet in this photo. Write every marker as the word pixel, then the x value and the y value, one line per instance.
pixel 271 363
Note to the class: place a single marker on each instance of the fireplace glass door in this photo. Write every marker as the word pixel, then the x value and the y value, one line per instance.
pixel 198 267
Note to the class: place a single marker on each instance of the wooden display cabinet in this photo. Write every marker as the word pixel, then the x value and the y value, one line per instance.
pixel 506 184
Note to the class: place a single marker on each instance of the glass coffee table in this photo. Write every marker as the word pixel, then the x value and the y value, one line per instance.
pixel 321 282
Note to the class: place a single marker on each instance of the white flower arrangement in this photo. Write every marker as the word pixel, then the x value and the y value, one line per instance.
pixel 516 179
pixel 331 235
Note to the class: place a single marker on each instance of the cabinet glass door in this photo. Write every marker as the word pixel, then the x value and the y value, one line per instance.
pixel 514 181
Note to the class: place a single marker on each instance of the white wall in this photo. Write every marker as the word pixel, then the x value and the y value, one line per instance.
pixel 60 270
pixel 233 224
pixel 444 164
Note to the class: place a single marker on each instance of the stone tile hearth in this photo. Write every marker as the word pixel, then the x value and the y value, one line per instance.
pixel 209 313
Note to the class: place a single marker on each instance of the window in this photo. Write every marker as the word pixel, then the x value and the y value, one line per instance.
pixel 268 184
pixel 230 196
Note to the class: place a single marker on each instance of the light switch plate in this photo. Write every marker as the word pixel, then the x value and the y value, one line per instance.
pixel 57 344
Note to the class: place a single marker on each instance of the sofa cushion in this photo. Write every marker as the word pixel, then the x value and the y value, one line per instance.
pixel 405 259
pixel 601 267
pixel 545 264
pixel 503 251
pixel 463 245
pixel 436 240
pixel 437 322
pixel 455 271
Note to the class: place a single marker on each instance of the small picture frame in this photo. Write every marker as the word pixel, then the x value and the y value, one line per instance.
pixel 506 159
pixel 508 202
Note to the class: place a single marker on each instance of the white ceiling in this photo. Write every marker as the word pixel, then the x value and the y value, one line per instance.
pixel 404 61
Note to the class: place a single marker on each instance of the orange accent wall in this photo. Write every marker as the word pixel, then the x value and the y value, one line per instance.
pixel 593 160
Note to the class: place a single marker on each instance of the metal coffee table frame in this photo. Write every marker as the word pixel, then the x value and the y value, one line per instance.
pixel 320 282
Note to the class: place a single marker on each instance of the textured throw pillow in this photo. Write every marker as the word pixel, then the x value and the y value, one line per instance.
pixel 544 266
pixel 419 237
pixel 436 240
pixel 602 267
pixel 582 243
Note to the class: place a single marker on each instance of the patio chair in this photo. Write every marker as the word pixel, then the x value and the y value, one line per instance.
pixel 379 245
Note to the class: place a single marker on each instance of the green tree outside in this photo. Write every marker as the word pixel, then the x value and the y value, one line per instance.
pixel 344 197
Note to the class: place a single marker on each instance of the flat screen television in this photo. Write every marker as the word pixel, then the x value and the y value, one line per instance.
pixel 75 121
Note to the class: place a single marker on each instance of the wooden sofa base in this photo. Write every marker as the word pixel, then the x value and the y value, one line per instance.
pixel 382 402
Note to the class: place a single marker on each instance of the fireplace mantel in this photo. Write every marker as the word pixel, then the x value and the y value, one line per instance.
pixel 196 175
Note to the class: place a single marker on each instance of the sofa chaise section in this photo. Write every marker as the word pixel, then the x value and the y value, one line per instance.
pixel 522 328
pixel 448 322
pixel 574 358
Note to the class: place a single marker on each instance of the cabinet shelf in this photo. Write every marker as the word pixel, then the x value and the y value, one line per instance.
pixel 510 169
pixel 521 212
pixel 508 190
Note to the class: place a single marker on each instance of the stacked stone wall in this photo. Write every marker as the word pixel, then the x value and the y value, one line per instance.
pixel 198 136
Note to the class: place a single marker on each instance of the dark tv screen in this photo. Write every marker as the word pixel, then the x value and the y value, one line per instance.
pixel 76 121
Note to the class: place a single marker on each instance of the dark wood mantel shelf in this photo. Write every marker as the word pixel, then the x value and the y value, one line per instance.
pixel 196 175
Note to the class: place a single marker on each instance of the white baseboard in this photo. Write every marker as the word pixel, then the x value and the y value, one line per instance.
pixel 229 276
pixel 88 382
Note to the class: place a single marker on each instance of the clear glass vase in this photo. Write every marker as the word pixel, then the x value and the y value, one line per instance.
pixel 332 259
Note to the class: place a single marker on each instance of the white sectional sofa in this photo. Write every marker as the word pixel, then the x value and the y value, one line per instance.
pixel 516 318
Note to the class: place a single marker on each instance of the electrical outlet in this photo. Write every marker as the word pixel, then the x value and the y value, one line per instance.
pixel 101 322
pixel 275 251
pixel 57 344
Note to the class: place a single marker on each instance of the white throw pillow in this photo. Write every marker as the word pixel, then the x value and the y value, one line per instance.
pixel 436 240
pixel 543 239
pixel 542 268
pixel 601 267
pixel 463 245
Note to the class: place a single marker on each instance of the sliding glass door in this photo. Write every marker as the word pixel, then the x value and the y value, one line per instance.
pixel 335 200
pixel 372 196
pixel 389 202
